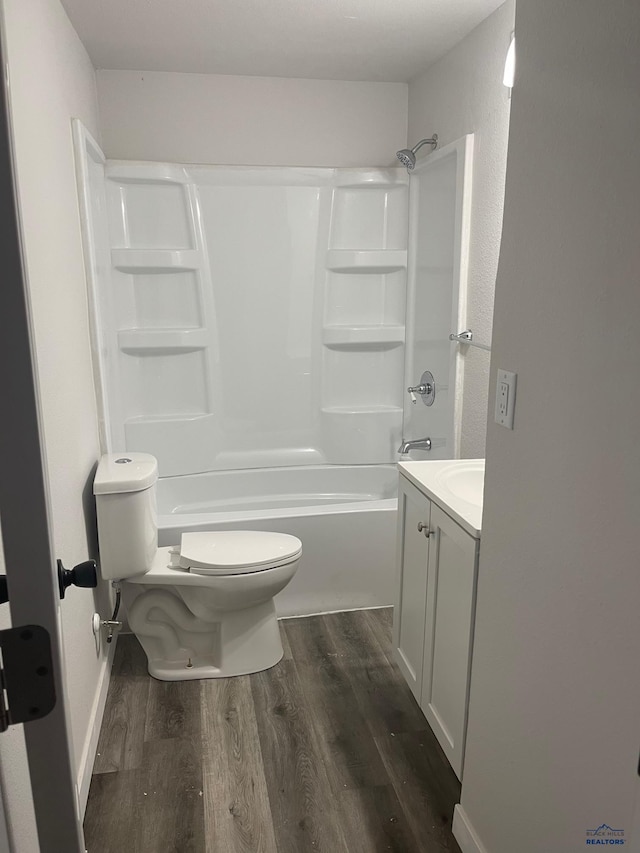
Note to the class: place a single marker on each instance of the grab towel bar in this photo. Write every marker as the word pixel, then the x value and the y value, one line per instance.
pixel 466 337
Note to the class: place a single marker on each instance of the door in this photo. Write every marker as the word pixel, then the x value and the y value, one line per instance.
pixel 449 633
pixel 30 567
pixel 439 218
pixel 411 583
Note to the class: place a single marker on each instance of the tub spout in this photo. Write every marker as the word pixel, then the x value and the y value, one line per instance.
pixel 418 444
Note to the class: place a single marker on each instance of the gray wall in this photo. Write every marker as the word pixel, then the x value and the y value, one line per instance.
pixel 463 93
pixel 554 727
pixel 51 80
pixel 269 121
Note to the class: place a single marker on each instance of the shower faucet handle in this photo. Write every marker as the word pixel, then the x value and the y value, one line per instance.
pixel 426 389
pixel 419 389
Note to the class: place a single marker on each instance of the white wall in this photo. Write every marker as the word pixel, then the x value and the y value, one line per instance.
pixel 554 727
pixel 463 93
pixel 269 121
pixel 51 80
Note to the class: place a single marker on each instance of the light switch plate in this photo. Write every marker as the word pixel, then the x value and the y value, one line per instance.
pixel 505 398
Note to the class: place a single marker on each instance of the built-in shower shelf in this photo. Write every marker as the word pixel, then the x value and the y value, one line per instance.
pixel 362 410
pixel 145 173
pixel 159 341
pixel 155 260
pixel 159 419
pixel 363 337
pixel 366 260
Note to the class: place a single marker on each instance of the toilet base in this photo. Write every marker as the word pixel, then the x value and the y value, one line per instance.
pixel 227 643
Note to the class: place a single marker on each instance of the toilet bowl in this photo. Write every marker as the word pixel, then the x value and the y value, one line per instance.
pixel 203 609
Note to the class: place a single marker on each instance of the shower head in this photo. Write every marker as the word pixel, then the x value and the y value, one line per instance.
pixel 408 156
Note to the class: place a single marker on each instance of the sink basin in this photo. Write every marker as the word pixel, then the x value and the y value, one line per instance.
pixel 465 480
pixel 455 485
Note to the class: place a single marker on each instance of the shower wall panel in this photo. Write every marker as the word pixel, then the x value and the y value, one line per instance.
pixel 439 247
pixel 156 314
pixel 364 317
pixel 262 229
pixel 254 317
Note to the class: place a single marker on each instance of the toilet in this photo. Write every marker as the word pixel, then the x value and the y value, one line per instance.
pixel 200 609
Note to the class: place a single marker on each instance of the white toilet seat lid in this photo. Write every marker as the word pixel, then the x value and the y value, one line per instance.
pixel 233 552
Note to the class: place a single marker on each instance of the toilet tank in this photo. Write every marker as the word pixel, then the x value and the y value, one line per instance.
pixel 125 491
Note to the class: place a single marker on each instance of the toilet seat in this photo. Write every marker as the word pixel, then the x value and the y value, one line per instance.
pixel 236 552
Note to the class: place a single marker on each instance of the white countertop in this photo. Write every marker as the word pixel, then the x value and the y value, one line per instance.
pixel 456 485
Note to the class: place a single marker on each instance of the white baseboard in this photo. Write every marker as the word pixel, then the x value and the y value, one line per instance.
pixel 465 834
pixel 93 730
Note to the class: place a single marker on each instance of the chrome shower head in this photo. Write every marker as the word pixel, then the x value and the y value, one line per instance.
pixel 408 157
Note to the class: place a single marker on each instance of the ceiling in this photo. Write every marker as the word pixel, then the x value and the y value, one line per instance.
pixel 376 40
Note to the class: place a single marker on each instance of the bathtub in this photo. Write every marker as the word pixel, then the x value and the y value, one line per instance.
pixel 345 516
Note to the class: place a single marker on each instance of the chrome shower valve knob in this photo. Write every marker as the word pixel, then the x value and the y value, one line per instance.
pixel 419 389
pixel 426 389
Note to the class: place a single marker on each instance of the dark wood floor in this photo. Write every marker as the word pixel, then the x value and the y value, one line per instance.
pixel 325 752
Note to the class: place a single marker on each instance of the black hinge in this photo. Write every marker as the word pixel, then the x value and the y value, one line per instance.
pixel 27 687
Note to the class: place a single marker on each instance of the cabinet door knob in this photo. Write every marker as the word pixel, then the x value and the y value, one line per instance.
pixel 424 528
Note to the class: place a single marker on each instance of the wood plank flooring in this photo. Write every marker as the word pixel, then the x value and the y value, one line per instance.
pixel 327 752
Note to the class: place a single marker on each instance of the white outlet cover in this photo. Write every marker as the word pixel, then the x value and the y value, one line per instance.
pixel 505 398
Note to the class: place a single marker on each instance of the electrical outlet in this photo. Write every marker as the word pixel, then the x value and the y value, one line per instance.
pixel 505 398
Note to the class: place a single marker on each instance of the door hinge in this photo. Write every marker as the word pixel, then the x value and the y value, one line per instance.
pixel 27 686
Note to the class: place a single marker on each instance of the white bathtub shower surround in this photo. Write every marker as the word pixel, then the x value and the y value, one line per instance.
pixel 344 515
pixel 252 317
pixel 255 316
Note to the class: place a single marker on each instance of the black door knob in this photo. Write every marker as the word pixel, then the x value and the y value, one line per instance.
pixel 84 574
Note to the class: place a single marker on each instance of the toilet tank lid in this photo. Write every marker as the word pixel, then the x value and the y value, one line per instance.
pixel 125 472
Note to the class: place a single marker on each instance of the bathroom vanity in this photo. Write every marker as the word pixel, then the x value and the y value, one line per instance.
pixel 438 544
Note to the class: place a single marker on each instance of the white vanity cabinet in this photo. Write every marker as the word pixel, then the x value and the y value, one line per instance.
pixel 437 561
pixel 409 615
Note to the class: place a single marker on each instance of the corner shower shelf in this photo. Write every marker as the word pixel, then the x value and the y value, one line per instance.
pixel 366 261
pixel 155 260
pixel 362 410
pixel 187 425
pixel 147 173
pixel 363 337
pixel 373 184
pixel 159 341
pixel 153 420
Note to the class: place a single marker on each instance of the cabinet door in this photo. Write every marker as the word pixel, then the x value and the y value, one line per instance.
pixel 449 633
pixel 411 583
